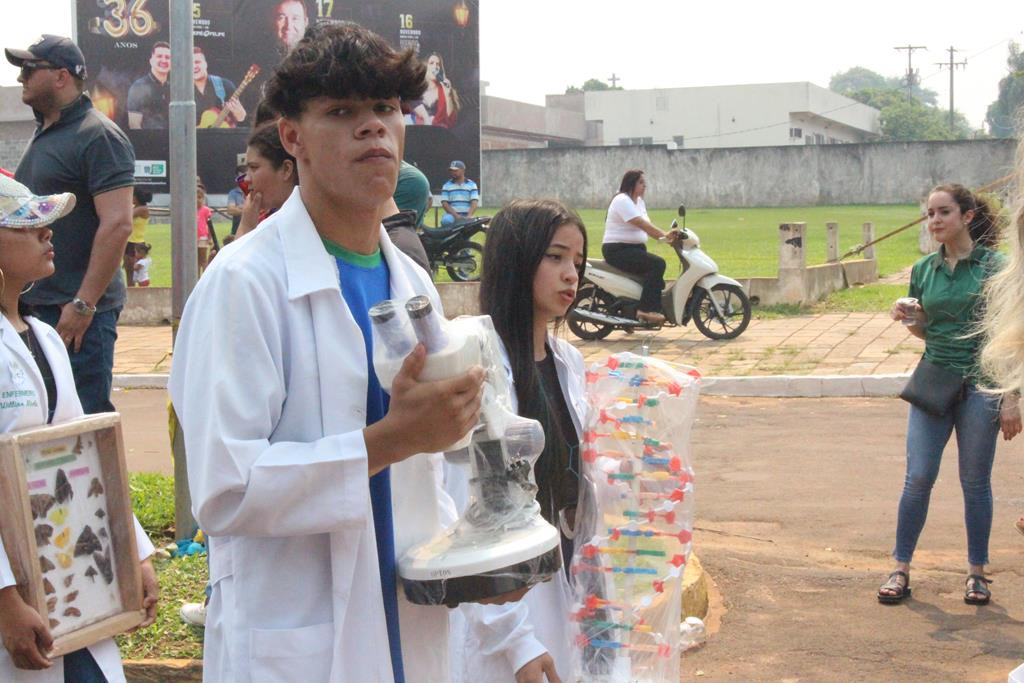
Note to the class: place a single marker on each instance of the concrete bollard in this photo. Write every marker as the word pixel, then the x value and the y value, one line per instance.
pixel 831 242
pixel 867 235
pixel 792 261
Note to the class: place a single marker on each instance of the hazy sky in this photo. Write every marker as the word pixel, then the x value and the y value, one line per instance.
pixel 529 48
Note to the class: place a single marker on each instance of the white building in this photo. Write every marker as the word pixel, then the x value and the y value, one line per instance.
pixel 757 115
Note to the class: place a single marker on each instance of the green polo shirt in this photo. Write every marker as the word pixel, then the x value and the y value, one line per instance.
pixel 952 301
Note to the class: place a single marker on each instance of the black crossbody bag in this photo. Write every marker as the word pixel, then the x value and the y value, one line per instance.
pixel 933 388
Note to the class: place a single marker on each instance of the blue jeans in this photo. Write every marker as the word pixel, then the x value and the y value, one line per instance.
pixel 80 667
pixel 976 420
pixel 93 365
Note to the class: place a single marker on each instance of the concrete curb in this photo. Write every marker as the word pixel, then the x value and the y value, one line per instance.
pixel 782 386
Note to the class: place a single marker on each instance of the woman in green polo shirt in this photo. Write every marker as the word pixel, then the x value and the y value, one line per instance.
pixel 943 308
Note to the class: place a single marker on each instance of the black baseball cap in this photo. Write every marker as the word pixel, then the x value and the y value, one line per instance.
pixel 56 50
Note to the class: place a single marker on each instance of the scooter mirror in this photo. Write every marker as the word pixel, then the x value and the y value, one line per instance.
pixel 682 210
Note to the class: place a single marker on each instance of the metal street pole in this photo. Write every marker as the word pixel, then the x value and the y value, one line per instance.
pixel 184 268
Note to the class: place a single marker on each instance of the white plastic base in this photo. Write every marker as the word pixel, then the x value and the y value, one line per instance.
pixel 450 569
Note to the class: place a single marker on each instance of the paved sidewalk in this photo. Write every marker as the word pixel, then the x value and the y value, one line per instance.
pixel 829 344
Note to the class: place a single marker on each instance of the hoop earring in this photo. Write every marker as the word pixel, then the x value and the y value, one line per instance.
pixel 30 286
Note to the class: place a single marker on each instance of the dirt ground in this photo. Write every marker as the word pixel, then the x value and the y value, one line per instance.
pixel 796 518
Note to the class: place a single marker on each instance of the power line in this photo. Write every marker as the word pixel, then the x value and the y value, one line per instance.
pixel 911 79
pixel 952 64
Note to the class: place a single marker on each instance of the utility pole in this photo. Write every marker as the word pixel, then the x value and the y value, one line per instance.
pixel 614 79
pixel 952 65
pixel 911 74
pixel 184 269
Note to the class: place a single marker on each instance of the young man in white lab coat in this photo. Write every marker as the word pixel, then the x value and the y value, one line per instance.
pixel 294 455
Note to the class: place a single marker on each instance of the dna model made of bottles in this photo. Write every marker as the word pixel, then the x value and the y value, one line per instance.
pixel 634 535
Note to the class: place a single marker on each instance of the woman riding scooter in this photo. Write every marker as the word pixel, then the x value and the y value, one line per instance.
pixel 624 246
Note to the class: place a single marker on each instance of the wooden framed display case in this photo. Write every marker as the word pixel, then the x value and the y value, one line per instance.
pixel 67 525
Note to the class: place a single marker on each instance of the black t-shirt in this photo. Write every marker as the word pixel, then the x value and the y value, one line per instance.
pixel 29 337
pixel 83 152
pixel 565 482
pixel 151 98
pixel 208 99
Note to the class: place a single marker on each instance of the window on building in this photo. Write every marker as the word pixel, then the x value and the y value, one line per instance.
pixel 679 139
pixel 647 141
pixel 796 133
pixel 661 103
pixel 832 141
pixel 819 139
pixel 808 139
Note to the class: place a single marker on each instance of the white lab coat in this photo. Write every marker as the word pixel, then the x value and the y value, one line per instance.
pixel 278 468
pixel 495 641
pixel 18 370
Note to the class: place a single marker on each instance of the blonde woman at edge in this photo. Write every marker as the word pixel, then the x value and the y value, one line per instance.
pixel 1002 356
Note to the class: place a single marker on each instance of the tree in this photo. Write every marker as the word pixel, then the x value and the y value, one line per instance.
pixel 1001 113
pixel 906 120
pixel 859 78
pixel 591 85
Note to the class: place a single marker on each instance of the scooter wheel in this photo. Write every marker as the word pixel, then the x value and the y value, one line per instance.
pixel 590 298
pixel 735 307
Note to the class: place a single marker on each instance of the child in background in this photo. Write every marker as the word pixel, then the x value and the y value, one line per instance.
pixel 140 220
pixel 142 263
pixel 203 215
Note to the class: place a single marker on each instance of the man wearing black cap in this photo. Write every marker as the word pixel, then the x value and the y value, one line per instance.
pixel 77 149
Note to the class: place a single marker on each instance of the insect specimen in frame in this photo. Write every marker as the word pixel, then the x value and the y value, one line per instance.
pixel 43 533
pixel 103 564
pixel 103 532
pixel 95 488
pixel 68 579
pixel 51 604
pixel 41 504
pixel 87 542
pixel 77 450
pixel 63 490
pixel 54 623
pixel 48 588
pixel 100 513
pixel 45 565
pixel 70 597
pixel 72 612
pixel 58 516
pixel 62 538
pixel 91 573
pixel 64 560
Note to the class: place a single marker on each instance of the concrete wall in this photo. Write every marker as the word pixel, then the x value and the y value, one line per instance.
pixel 868 173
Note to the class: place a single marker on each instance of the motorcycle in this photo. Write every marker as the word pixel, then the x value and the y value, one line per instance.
pixel 450 246
pixel 608 297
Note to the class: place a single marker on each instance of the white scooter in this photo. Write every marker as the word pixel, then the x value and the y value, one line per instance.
pixel 608 298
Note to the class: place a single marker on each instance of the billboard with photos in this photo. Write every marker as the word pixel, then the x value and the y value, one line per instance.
pixel 237 45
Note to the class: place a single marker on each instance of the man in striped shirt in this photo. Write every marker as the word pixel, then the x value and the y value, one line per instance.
pixel 459 196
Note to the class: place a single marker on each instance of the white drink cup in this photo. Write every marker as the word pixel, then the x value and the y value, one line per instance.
pixel 910 307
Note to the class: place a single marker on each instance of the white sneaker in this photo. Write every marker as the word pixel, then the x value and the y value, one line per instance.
pixel 194 614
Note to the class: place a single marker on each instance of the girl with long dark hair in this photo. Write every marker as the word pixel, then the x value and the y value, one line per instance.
pixel 533 261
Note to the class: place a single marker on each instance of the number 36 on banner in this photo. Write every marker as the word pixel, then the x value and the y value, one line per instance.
pixel 120 17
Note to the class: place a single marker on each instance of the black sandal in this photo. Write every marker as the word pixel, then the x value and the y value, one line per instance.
pixel 902 590
pixel 976 583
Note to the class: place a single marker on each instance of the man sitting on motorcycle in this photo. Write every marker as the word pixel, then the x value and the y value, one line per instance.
pixel 459 196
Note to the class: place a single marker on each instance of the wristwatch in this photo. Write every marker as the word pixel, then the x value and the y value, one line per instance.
pixel 83 307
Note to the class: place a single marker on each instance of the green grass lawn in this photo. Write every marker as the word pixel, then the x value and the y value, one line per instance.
pixel 744 242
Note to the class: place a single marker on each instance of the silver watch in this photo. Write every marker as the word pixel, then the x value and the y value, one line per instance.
pixel 83 307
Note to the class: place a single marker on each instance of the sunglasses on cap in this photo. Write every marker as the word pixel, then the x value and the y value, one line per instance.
pixel 28 68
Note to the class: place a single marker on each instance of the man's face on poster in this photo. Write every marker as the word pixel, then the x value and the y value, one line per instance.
pixel 199 67
pixel 290 23
pixel 160 61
